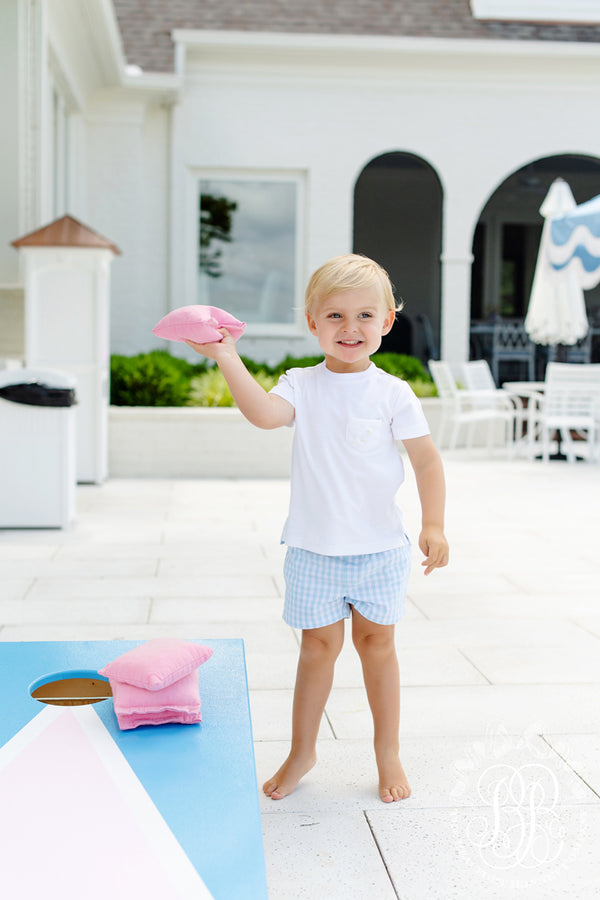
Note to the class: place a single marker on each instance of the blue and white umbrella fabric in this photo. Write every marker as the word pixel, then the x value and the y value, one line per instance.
pixel 556 312
pixel 575 243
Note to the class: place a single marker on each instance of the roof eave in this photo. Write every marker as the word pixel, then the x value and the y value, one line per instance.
pixel 254 40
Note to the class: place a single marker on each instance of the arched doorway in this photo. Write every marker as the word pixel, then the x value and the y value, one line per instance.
pixel 507 236
pixel 398 222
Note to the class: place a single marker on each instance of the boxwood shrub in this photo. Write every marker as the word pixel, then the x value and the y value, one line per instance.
pixel 159 379
pixel 151 379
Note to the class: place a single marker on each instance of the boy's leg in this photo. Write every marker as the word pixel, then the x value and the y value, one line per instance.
pixel 377 651
pixel 318 652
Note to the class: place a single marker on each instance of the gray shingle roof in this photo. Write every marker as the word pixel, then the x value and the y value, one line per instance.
pixel 146 25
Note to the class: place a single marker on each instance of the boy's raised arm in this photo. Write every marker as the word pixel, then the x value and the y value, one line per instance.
pixel 431 484
pixel 260 408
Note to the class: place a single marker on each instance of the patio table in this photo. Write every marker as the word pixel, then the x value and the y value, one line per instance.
pixel 524 388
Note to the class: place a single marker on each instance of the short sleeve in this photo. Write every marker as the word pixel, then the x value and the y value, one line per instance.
pixel 409 419
pixel 285 388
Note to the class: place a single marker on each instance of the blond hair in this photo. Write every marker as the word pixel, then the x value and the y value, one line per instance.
pixel 346 273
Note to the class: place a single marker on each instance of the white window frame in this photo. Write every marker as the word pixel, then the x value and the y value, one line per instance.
pixel 295 327
pixel 567 11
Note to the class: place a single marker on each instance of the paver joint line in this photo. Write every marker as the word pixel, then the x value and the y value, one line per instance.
pixel 385 866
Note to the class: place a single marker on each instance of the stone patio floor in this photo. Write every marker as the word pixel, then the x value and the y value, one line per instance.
pixel 499 657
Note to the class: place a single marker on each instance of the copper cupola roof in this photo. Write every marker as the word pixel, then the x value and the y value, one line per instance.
pixel 65 232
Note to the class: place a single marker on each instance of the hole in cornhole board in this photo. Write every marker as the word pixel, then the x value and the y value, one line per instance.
pixel 77 688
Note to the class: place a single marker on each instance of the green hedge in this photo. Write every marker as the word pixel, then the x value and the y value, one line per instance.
pixel 410 369
pixel 151 379
pixel 159 379
pixel 211 389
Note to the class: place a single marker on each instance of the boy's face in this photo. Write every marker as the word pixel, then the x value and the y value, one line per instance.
pixel 349 326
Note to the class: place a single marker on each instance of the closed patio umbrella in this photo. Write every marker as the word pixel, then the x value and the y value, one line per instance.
pixel 575 243
pixel 556 312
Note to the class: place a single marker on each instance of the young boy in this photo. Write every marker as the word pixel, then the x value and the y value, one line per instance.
pixel 348 554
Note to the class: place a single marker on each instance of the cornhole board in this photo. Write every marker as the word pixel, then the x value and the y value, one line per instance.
pixel 87 810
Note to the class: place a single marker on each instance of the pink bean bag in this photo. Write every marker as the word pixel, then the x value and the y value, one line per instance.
pixel 179 702
pixel 199 324
pixel 157 682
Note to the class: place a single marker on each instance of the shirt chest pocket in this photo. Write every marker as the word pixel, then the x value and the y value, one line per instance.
pixel 365 434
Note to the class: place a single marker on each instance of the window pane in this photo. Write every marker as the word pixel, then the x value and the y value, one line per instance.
pixel 247 253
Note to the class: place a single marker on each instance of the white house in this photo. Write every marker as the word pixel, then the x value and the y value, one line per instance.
pixel 424 133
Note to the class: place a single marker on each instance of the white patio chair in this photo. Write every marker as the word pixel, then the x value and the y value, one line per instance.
pixel 478 378
pixel 571 405
pixel 464 407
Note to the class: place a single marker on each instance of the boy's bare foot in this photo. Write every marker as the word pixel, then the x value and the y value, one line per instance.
pixel 287 777
pixel 393 784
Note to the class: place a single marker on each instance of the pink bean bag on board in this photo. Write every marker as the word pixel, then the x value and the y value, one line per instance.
pixel 157 682
pixel 198 323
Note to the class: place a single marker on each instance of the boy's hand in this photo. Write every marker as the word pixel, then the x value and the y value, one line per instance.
pixel 261 408
pixel 216 349
pixel 434 546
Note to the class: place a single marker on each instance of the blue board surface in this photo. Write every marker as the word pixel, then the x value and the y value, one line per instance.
pixel 201 778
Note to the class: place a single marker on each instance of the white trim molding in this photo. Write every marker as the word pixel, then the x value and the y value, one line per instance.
pixel 226 51
pixel 567 11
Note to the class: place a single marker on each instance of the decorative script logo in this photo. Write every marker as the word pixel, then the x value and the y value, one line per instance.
pixel 515 822
pixel 521 827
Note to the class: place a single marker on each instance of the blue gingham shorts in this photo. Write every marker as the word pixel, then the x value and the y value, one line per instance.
pixel 321 590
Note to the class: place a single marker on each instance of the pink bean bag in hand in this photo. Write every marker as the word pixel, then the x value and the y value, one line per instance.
pixel 199 324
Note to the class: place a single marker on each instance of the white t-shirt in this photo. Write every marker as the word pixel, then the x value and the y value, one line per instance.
pixel 346 468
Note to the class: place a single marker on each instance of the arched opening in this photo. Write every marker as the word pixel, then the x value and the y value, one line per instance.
pixel 506 243
pixel 398 222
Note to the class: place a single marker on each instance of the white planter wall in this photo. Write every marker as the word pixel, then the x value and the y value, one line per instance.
pixel 168 442
pixel 194 443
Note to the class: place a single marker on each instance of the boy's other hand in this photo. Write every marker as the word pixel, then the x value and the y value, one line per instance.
pixel 434 547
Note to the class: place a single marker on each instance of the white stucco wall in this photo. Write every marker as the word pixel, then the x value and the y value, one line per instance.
pixel 128 199
pixel 326 106
pixel 322 106
pixel 9 156
pixel 81 136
